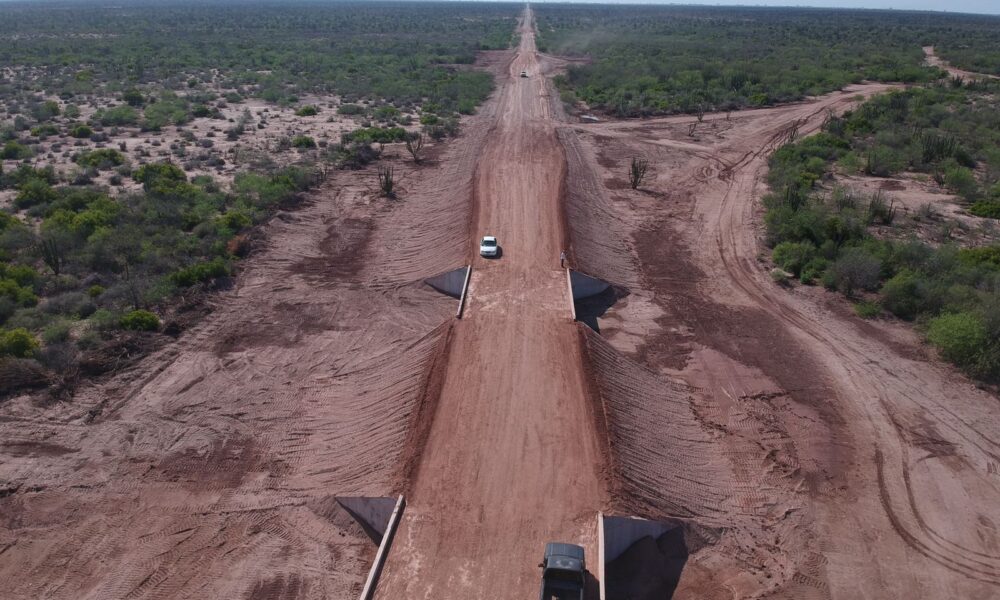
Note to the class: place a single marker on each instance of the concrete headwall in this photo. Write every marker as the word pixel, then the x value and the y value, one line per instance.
pixel 616 534
pixel 373 512
pixel 451 283
pixel 374 506
pixel 585 286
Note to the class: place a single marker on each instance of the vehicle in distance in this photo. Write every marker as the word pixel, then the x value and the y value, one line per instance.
pixel 524 73
pixel 489 246
pixel 563 572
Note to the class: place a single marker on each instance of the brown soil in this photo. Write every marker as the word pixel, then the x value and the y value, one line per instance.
pixel 834 457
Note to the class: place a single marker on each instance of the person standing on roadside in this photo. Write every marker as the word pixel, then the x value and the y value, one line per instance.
pixel 562 259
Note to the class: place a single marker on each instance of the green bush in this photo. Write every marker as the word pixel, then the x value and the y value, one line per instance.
pixel 855 269
pixel 303 141
pixel 14 150
pixel 34 192
pixel 989 209
pixel 56 332
pixel 118 116
pixel 350 109
pixel 101 159
pixel 307 111
pixel 140 320
pixel 961 338
pixel 18 343
pixel 794 256
pixel 867 309
pixel 200 272
pixel 81 131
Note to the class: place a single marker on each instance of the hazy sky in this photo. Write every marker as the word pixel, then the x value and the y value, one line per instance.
pixel 991 7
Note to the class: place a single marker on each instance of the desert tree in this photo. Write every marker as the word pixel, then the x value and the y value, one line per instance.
pixel 415 146
pixel 387 181
pixel 637 172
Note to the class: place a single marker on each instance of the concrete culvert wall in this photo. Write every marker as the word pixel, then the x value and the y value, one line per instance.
pixel 450 283
pixel 643 559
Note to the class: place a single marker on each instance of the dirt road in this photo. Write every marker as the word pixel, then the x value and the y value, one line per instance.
pixel 512 460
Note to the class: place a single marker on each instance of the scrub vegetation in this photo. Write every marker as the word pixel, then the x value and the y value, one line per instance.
pixel 128 183
pixel 647 60
pixel 945 134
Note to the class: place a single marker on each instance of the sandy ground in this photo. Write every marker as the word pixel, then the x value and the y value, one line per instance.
pixel 818 456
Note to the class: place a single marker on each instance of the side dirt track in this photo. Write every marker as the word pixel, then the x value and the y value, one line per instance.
pixel 811 454
pixel 807 455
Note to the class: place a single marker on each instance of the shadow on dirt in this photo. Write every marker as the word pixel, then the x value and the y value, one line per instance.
pixel 649 569
pixel 591 308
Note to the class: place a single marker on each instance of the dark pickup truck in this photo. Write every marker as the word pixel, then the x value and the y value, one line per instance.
pixel 563 572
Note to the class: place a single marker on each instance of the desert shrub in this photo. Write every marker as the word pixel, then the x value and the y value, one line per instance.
pixel 18 343
pixel 350 109
pixel 118 116
pixel 14 150
pixel 962 182
pixel 101 159
pixel 905 294
pixel 307 111
pixel 867 309
pixel 140 320
pixel 81 131
pixel 200 272
pixel 159 175
pixel 56 332
pixel 960 337
pixel 20 373
pixel 855 269
pixel 794 256
pixel 989 209
pixel 34 192
pixel 303 141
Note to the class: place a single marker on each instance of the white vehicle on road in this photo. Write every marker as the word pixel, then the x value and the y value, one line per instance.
pixel 489 246
pixel 524 73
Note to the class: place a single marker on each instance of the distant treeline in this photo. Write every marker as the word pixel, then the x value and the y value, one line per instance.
pixel 400 52
pixel 666 59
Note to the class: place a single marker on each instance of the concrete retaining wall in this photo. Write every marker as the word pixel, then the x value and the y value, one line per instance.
pixel 368 592
pixel 616 534
pixel 373 512
pixel 451 283
pixel 585 286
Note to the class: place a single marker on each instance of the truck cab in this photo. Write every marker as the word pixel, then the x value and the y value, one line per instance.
pixel 563 572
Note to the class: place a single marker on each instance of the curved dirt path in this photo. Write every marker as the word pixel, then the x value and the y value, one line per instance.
pixel 895 455
pixel 512 459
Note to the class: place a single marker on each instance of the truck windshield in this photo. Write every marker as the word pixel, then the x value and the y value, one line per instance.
pixel 563 575
pixel 489 243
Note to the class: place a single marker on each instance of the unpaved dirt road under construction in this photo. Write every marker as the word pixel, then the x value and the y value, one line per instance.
pixel 806 454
